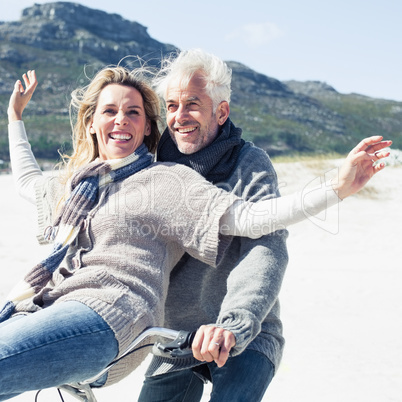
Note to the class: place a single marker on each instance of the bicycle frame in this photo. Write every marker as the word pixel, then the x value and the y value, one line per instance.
pixel 180 346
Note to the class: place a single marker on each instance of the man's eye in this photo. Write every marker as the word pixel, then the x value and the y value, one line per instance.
pixel 171 107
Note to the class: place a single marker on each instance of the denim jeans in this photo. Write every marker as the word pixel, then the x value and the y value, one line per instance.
pixel 243 378
pixel 66 342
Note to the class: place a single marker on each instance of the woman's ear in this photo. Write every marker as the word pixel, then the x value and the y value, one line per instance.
pixel 92 130
pixel 222 112
pixel 148 129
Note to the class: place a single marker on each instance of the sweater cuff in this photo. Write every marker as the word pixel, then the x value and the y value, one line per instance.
pixel 16 132
pixel 243 325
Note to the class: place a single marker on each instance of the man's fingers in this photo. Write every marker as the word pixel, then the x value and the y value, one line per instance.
pixel 197 344
pixel 213 344
pixel 223 357
pixel 204 349
pixel 226 347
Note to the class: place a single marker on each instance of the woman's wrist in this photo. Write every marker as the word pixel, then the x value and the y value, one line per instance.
pixel 339 190
pixel 13 115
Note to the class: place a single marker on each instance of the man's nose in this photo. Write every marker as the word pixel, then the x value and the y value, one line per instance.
pixel 181 114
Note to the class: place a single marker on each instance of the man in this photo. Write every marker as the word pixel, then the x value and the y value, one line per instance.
pixel 241 346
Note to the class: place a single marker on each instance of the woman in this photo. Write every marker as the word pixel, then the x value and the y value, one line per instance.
pixel 119 224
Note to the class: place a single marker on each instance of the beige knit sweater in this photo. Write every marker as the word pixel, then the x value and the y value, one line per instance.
pixel 120 264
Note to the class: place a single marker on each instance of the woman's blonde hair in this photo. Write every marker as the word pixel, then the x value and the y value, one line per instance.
pixel 83 105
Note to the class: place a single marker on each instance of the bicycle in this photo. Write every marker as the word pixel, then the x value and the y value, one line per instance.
pixel 180 346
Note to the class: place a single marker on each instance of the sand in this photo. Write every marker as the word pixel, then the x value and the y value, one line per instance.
pixel 341 299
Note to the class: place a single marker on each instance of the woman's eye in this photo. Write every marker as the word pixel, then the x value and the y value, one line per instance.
pixel 108 111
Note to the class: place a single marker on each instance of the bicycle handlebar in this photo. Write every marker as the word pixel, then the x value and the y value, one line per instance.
pixel 180 347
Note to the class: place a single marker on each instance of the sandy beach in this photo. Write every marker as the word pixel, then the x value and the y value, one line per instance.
pixel 341 298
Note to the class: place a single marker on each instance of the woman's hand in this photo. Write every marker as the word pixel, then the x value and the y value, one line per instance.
pixel 20 97
pixel 359 166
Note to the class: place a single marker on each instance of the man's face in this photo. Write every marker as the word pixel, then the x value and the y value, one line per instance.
pixel 190 117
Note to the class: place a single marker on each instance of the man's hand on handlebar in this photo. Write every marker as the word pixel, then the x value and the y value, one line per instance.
pixel 213 344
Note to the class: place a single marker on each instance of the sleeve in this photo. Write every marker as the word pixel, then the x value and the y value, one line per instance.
pixel 190 216
pixel 30 182
pixel 264 217
pixel 254 283
pixel 26 171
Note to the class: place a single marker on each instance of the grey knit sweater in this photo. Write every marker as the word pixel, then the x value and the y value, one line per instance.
pixel 242 294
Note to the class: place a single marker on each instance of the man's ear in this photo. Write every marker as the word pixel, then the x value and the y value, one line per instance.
pixel 222 112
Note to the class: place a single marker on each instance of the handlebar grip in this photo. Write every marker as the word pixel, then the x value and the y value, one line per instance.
pixel 180 346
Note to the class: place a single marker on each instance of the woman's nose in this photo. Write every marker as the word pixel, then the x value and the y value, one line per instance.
pixel 121 118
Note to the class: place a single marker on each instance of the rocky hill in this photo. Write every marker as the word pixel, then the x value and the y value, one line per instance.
pixel 64 42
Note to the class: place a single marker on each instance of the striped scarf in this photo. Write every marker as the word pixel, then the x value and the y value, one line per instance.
pixel 85 186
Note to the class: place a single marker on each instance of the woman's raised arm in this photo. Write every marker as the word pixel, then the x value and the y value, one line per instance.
pixel 26 171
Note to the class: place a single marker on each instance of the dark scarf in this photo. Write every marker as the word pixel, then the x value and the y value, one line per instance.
pixel 215 162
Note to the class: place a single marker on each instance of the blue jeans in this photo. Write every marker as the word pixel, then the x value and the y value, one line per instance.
pixel 63 343
pixel 243 378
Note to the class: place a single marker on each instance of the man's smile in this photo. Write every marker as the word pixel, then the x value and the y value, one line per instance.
pixel 186 130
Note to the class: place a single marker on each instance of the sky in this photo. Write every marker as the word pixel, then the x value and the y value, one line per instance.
pixel 352 45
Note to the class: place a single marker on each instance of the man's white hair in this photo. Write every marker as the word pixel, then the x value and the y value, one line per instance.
pixel 182 67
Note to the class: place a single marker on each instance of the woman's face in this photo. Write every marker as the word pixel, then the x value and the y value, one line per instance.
pixel 119 122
